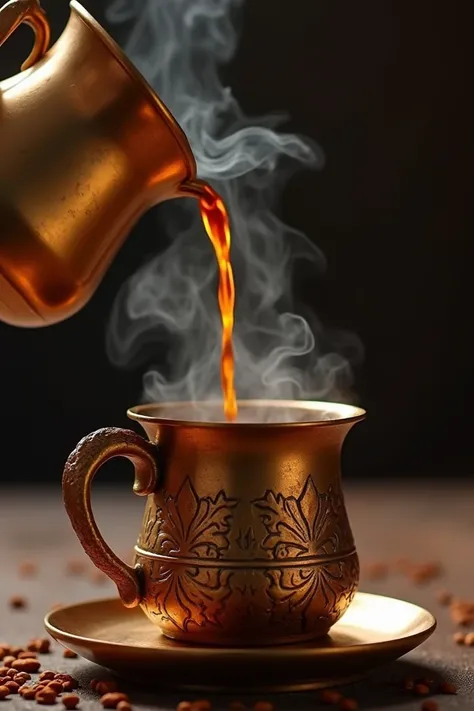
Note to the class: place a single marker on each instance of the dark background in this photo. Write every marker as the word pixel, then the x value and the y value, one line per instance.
pixel 385 88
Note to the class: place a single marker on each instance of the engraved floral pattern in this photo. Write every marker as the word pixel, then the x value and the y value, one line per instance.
pixel 190 527
pixel 313 524
pixel 274 568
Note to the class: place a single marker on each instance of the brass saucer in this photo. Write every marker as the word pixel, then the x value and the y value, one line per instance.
pixel 374 630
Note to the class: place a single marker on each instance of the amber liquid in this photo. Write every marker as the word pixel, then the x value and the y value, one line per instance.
pixel 216 221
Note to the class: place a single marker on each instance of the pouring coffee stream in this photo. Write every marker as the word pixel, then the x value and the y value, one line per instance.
pixel 216 221
pixel 86 148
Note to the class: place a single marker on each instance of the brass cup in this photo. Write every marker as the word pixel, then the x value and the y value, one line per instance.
pixel 245 538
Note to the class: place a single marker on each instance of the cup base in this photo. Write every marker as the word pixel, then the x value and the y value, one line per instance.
pixel 247 642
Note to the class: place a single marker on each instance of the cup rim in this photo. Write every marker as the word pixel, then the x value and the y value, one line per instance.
pixel 344 414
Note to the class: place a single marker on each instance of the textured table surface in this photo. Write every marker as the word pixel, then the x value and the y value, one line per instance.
pixel 423 523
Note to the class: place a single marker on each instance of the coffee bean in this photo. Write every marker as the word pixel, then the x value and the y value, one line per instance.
pixel 444 598
pixel 28 665
pixel 13 686
pixel 47 675
pixel 28 693
pixel 429 705
pixel 70 701
pixel 17 602
pixel 46 697
pixel 348 705
pixel 106 687
pixel 447 688
pixel 27 569
pixel 421 689
pixel 111 700
pixel 330 697
pixel 55 685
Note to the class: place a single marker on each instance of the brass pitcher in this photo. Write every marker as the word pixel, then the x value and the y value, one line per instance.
pixel 86 147
pixel 245 538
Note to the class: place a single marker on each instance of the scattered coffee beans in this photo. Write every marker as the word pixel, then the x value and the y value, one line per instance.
pixel 67 679
pixel 184 706
pixel 56 686
pixel 424 572
pixel 201 705
pixel 459 637
pixel 4 692
pixel 112 700
pixel 124 706
pixel 264 706
pixel 47 675
pixel 21 677
pixel 42 646
pixel 69 654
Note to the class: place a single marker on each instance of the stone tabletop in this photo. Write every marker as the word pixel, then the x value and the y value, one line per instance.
pixel 422 523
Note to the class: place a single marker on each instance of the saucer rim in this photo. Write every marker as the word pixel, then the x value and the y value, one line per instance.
pixel 293 650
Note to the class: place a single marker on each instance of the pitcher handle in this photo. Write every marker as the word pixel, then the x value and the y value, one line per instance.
pixel 13 14
pixel 90 454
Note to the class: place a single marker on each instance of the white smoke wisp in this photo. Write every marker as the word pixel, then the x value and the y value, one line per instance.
pixel 167 314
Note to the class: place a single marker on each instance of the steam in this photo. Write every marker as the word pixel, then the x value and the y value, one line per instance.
pixel 166 315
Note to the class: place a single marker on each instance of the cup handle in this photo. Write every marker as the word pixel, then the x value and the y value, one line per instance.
pixel 30 12
pixel 90 454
